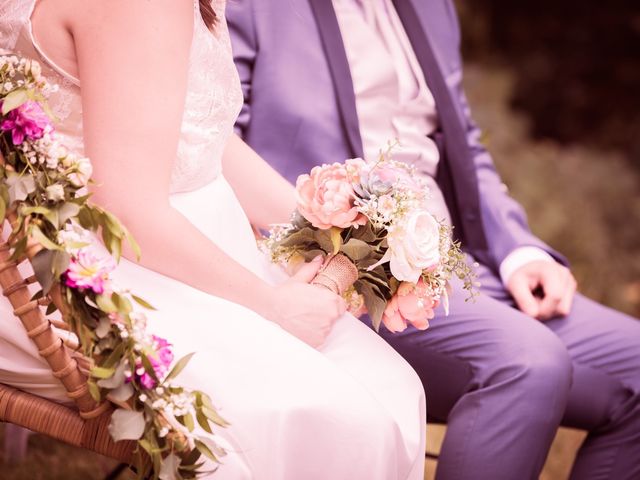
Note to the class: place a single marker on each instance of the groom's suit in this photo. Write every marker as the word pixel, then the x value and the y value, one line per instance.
pixel 502 380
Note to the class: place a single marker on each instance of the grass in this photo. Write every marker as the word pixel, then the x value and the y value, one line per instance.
pixel 585 203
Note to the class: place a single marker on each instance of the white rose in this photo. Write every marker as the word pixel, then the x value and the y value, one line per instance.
pixel 414 246
pixel 82 171
pixel 55 192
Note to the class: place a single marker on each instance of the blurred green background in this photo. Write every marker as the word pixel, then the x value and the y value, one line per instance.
pixel 554 85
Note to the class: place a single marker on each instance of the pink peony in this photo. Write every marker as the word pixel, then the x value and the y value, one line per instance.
pixel 411 304
pixel 90 269
pixel 28 120
pixel 326 198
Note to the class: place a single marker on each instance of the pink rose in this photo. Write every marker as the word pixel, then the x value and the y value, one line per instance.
pixel 326 198
pixel 392 318
pixel 411 304
pixel 28 120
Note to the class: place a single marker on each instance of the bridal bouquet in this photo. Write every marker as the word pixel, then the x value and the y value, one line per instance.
pixel 385 253
pixel 43 193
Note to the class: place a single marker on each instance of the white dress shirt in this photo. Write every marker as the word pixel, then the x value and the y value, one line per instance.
pixel 393 101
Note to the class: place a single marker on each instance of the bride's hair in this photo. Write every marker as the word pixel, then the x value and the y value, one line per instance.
pixel 208 13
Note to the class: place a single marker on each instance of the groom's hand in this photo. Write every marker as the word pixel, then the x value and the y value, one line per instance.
pixel 543 289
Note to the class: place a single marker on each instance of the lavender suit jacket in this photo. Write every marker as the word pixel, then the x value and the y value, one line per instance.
pixel 299 108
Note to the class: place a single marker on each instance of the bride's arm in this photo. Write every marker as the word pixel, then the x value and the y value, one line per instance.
pixel 265 195
pixel 133 61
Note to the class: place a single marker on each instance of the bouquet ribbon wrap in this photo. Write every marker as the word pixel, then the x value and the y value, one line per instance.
pixel 337 273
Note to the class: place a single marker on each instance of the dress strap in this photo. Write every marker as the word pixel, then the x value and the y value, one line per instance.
pixel 29 28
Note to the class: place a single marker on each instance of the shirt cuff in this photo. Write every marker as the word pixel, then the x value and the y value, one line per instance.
pixel 519 257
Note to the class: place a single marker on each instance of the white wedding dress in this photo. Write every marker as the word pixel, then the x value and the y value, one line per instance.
pixel 352 410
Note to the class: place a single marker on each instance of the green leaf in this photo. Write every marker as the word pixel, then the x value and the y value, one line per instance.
pixel 43 268
pixel 116 379
pixel 115 356
pixel 356 249
pixel 206 451
pixel 214 416
pixel 374 303
pixel 156 458
pixel 67 211
pixel 126 425
pixel 99 372
pixel 146 445
pixel 148 367
pixel 104 326
pixel 203 421
pixel 115 247
pixel 106 304
pixel 300 238
pixel 378 280
pixel 179 366
pixel 311 254
pixel 192 458
pixel 3 209
pixel 123 303
pixel 76 245
pixel 19 186
pixel 121 393
pixel 113 224
pixel 52 217
pixel 42 239
pixel 14 99
pixel 19 248
pixel 323 237
pixel 135 248
pixel 187 421
pixel 336 239
pixel 60 264
pixel 4 193
pixel 85 218
pixel 142 302
pixel 364 233
pixel 94 390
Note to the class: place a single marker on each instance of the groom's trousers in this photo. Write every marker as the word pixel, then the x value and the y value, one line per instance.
pixel 503 382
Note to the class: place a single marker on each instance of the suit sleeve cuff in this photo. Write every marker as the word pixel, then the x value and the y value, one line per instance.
pixel 519 257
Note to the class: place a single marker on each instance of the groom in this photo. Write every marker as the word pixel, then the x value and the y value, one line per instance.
pixel 328 80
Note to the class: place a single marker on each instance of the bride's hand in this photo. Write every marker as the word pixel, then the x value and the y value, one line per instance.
pixel 306 311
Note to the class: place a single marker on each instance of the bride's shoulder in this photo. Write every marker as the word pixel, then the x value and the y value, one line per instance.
pixel 147 17
pixel 59 25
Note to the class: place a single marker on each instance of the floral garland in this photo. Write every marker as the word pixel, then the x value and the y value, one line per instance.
pixel 43 187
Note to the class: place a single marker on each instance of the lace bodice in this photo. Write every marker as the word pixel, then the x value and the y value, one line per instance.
pixel 212 102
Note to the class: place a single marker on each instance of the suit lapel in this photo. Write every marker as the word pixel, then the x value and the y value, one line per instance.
pixel 459 164
pixel 339 67
pixel 433 72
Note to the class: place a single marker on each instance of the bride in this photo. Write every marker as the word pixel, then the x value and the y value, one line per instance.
pixel 149 91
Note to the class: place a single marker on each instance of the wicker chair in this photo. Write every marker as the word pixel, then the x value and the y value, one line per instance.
pixel 84 425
